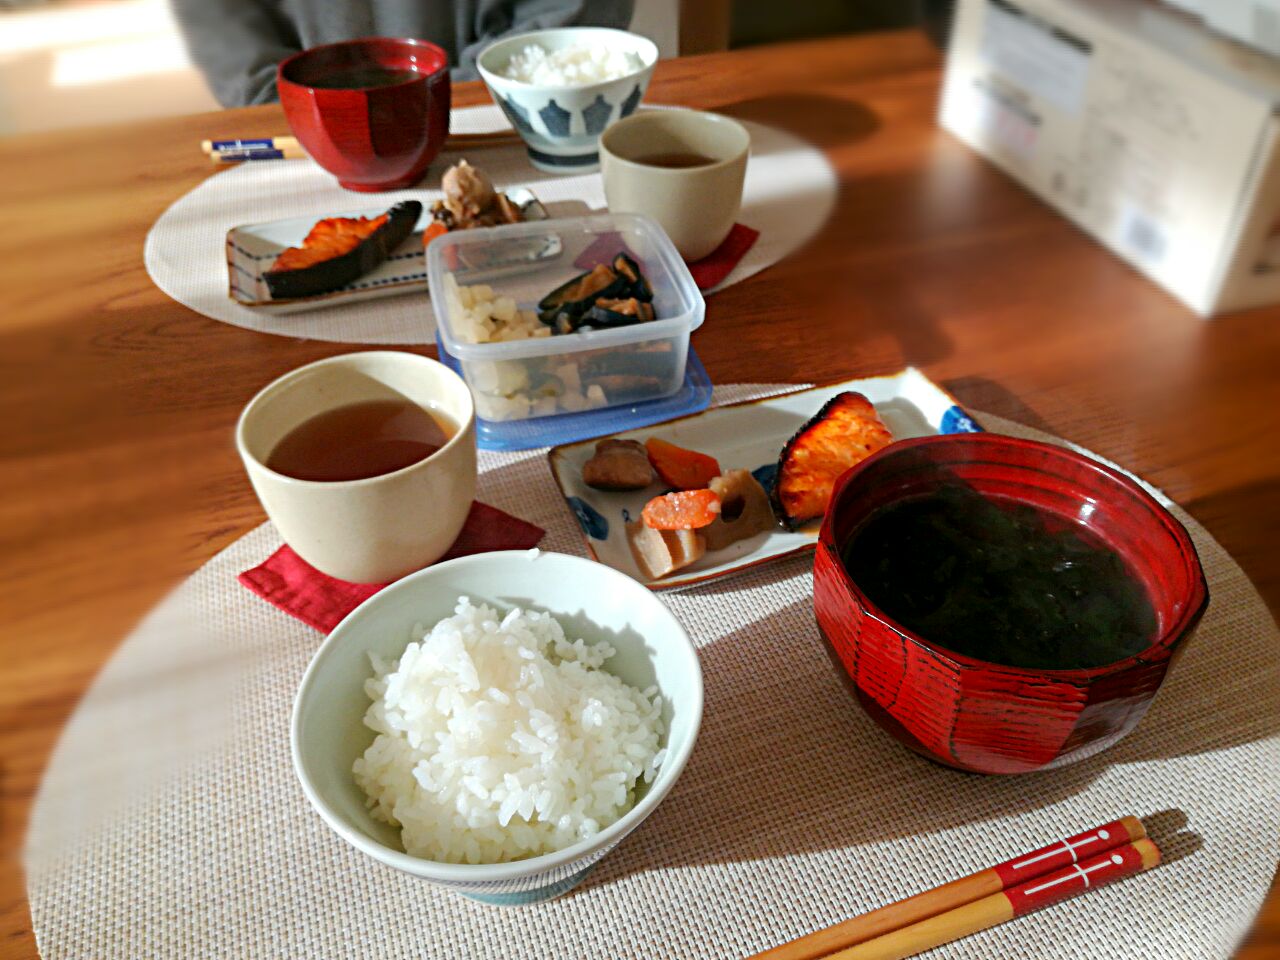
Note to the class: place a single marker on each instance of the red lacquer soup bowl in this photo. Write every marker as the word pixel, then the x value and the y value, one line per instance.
pixel 373 112
pixel 986 717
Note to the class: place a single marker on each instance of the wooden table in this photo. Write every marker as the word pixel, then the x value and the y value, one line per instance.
pixel 118 477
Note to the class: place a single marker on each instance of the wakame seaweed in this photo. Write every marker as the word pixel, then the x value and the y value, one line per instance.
pixel 1001 582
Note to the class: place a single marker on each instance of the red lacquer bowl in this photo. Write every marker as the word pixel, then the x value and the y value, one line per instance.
pixel 370 138
pixel 981 716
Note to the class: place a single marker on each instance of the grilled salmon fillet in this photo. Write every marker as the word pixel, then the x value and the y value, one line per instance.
pixel 844 432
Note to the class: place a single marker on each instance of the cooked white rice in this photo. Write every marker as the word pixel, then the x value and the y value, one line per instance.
pixel 570 66
pixel 498 738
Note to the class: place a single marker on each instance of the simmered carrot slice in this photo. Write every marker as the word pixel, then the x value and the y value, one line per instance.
pixel 682 510
pixel 434 229
pixel 681 468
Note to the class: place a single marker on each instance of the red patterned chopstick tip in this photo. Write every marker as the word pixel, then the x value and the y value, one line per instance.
pixel 1069 851
pixel 1118 862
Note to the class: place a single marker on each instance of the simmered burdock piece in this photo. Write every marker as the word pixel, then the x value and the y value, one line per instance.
pixel 845 431
pixel 744 510
pixel 659 553
pixel 618 465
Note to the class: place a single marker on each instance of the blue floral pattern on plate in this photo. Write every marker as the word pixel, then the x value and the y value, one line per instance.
pixel 956 420
pixel 766 476
pixel 593 524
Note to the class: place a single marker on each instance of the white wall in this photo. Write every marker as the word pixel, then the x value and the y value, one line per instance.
pixel 67 64
pixel 70 64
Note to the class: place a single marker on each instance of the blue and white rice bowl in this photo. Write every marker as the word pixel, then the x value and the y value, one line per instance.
pixel 561 125
pixel 591 601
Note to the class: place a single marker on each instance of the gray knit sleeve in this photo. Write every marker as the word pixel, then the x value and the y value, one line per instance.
pixel 236 44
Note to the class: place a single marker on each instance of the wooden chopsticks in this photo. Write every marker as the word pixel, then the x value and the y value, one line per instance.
pixel 239 150
pixel 984 899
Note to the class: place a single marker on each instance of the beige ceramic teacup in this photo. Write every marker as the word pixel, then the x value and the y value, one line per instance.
pixel 696 205
pixel 381 528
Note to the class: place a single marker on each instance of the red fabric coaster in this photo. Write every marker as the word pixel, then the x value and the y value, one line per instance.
pixel 707 272
pixel 715 266
pixel 287 581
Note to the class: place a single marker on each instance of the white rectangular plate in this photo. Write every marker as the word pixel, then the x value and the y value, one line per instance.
pixel 252 248
pixel 745 435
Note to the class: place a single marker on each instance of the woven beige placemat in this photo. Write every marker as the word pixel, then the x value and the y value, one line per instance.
pixel 170 824
pixel 185 249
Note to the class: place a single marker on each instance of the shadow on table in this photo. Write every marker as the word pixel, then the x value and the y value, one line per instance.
pixel 823 121
pixel 787 763
pixel 1168 829
pixel 979 393
pixel 921 229
pixel 871 268
pixel 1244 520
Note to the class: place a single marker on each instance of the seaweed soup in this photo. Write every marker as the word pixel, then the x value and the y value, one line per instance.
pixel 1000 581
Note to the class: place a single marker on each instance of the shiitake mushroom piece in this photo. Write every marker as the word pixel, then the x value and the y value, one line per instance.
pixel 607 312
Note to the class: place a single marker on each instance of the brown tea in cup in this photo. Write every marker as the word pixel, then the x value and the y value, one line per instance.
pixel 675 160
pixel 364 516
pixel 360 440
pixel 682 168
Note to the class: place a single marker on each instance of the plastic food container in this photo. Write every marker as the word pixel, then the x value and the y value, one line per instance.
pixel 553 375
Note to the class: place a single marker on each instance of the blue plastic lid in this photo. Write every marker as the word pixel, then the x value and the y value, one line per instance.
pixel 693 397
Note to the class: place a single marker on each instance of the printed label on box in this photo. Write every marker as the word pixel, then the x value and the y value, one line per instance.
pixel 1004 120
pixel 1157 153
pixel 1044 59
pixel 1142 235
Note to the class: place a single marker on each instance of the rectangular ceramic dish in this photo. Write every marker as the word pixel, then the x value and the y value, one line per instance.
pixel 745 435
pixel 252 248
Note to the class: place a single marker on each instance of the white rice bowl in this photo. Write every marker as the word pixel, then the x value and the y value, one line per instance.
pixel 498 738
pixel 571 66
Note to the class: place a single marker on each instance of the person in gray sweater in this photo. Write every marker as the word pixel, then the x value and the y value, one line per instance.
pixel 237 43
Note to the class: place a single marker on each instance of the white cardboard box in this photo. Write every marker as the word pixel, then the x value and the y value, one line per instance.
pixel 1156 136
pixel 1255 22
